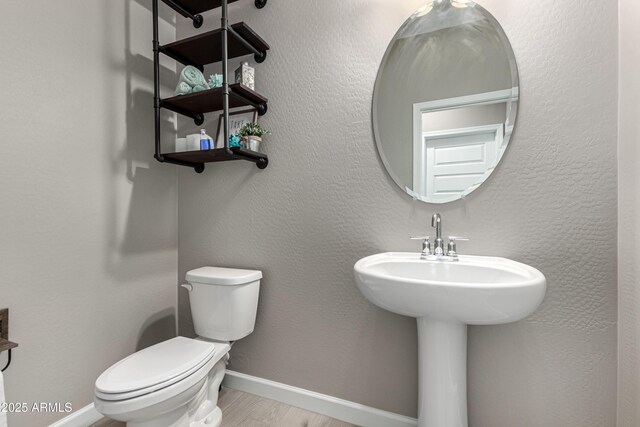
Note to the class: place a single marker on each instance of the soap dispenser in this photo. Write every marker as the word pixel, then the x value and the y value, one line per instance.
pixel 205 140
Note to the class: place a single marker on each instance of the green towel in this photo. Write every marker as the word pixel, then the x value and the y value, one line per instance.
pixel 183 88
pixel 192 76
pixel 200 88
pixel 215 80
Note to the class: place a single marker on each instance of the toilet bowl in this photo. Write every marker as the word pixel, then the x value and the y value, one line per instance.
pixel 175 383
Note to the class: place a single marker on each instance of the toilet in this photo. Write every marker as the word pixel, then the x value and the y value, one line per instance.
pixel 175 383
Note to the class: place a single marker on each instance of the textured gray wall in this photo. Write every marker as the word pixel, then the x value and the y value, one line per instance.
pixel 89 219
pixel 325 201
pixel 629 218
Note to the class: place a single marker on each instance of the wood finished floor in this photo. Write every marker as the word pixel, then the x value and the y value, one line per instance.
pixel 241 409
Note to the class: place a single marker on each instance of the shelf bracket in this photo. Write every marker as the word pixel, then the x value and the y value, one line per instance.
pixel 198 167
pixel 261 161
pixel 262 108
pixel 198 20
pixel 258 55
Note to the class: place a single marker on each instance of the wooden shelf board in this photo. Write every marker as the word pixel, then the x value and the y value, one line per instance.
pixel 7 345
pixel 206 48
pixel 215 155
pixel 211 100
pixel 199 6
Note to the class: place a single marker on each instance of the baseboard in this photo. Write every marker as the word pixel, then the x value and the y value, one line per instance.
pixel 333 407
pixel 83 417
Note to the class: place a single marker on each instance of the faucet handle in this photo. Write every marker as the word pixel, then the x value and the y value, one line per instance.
pixel 426 246
pixel 451 247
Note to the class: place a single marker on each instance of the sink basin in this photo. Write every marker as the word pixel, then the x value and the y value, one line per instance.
pixel 475 290
pixel 445 297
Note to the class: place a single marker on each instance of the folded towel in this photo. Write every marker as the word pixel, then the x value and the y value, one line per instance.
pixel 192 76
pixel 234 140
pixel 200 88
pixel 183 88
pixel 215 80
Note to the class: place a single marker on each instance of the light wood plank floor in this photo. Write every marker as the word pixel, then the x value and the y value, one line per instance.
pixel 247 410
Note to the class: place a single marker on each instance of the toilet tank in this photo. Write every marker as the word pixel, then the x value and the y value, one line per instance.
pixel 224 301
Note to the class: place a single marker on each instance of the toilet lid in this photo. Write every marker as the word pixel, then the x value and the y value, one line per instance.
pixel 162 364
pixel 223 276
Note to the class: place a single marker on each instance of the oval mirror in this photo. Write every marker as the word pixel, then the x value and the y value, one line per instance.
pixel 445 100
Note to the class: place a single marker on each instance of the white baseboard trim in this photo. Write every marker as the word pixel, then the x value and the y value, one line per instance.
pixel 83 417
pixel 333 407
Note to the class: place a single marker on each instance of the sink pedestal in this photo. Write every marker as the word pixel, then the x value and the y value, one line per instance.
pixel 442 370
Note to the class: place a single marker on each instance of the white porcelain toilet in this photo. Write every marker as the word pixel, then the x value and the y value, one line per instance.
pixel 175 383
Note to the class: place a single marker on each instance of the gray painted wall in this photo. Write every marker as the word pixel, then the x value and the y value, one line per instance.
pixel 325 201
pixel 629 218
pixel 89 220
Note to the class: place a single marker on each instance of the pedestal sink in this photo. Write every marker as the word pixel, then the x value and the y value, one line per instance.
pixel 445 297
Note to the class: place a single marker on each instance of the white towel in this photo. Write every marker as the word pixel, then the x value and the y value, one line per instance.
pixel 3 415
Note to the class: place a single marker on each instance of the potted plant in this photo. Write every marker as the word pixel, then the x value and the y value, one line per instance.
pixel 252 134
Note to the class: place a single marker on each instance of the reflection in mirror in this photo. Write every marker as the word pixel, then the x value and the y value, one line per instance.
pixel 445 101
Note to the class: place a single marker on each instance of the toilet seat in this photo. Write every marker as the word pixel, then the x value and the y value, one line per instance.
pixel 156 367
pixel 160 401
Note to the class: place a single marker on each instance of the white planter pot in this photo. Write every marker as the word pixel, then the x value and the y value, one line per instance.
pixel 252 142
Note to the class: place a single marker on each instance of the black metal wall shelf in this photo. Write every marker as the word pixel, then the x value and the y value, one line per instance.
pixel 196 6
pixel 206 48
pixel 219 155
pixel 200 50
pixel 211 100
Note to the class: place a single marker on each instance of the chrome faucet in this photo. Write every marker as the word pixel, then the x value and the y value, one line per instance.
pixel 439 252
